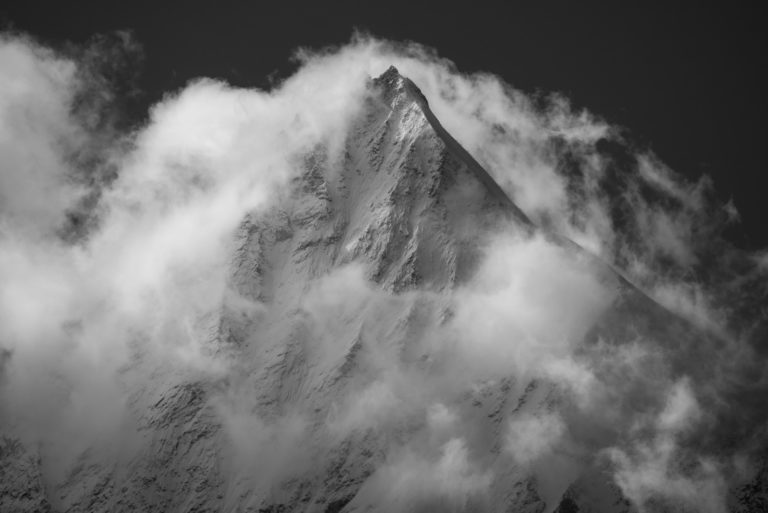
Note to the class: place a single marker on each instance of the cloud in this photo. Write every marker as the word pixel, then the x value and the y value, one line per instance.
pixel 531 436
pixel 530 303
pixel 264 451
pixel 147 281
pixel 137 298
pixel 36 134
pixel 660 471
pixel 449 481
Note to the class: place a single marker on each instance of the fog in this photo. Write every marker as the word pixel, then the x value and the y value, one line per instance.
pixel 109 272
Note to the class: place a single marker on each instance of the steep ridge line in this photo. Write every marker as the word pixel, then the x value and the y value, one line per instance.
pixel 626 285
pixel 460 153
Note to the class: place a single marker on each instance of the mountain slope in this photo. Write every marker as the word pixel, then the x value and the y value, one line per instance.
pixel 340 393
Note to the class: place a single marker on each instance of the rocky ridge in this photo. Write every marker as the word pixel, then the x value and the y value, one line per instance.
pixel 409 210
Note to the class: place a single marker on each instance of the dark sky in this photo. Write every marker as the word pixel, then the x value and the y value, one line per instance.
pixel 687 81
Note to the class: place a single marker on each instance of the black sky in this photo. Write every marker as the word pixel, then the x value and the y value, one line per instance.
pixel 687 81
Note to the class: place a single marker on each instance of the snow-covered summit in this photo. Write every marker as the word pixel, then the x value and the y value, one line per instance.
pixel 394 84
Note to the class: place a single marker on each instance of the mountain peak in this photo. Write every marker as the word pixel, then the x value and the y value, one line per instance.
pixel 390 75
pixel 393 82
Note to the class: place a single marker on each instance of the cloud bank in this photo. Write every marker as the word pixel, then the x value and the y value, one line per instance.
pixel 89 310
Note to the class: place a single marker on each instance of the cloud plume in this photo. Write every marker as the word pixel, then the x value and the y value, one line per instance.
pixel 93 316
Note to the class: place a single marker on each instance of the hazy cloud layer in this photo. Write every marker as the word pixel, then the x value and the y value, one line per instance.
pixel 144 281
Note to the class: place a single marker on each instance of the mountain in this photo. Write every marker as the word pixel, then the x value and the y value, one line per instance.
pixel 344 390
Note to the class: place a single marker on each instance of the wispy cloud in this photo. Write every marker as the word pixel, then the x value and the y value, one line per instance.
pixel 86 321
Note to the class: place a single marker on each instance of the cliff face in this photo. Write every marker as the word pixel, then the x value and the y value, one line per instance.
pixel 354 268
pixel 338 394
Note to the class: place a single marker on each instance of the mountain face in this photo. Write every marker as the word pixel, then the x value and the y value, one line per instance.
pixel 352 383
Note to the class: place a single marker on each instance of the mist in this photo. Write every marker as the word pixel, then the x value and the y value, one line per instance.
pixel 115 277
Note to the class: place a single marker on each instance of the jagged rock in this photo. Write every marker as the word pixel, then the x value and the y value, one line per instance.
pixel 411 208
pixel 21 483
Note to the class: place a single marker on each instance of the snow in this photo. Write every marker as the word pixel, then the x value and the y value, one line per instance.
pixel 340 279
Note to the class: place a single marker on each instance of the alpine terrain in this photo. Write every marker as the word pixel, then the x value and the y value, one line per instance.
pixel 373 359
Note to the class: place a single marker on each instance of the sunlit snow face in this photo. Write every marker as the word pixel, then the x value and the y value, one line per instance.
pixel 150 273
